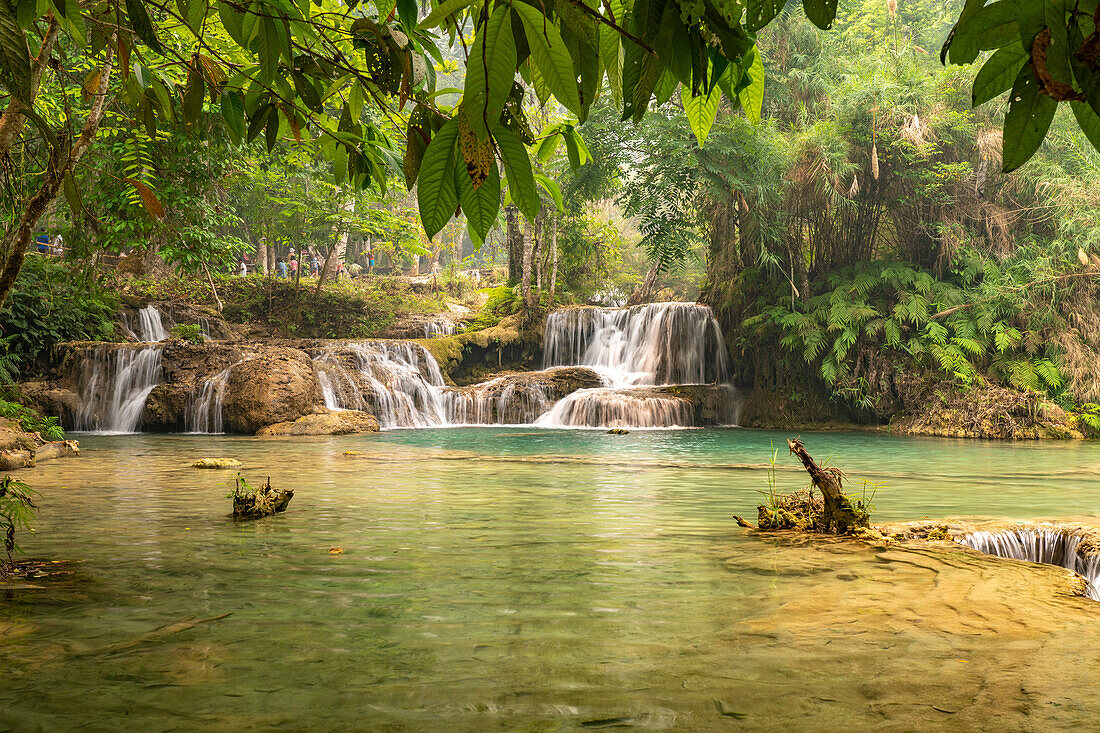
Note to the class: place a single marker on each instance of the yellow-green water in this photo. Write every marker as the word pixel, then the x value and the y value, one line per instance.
pixel 520 579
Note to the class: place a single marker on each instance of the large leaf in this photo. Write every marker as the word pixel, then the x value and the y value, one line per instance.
pixel 72 194
pixel 552 188
pixel 961 45
pixel 436 196
pixel 407 10
pixel 441 11
pixel 74 20
pixel 701 110
pixel 139 21
pixel 998 73
pixel 15 59
pixel 997 24
pixel 480 204
pixel 752 95
pixel 232 108
pixel 489 72
pixel 762 12
pixel 1088 120
pixel 517 166
pixel 548 54
pixel 820 12
pixel 1027 121
pixel 149 200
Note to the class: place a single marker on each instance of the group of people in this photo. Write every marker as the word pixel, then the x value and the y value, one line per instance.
pixel 310 264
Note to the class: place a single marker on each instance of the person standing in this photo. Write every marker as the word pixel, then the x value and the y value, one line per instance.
pixel 293 264
pixel 244 269
pixel 282 268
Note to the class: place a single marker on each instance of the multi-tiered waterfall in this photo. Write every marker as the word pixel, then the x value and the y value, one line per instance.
pixel 654 366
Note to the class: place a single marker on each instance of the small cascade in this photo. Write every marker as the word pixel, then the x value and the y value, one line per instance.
pixel 148 327
pixel 620 408
pixel 500 401
pixel 1050 546
pixel 204 414
pixel 435 329
pixel 116 384
pixel 400 382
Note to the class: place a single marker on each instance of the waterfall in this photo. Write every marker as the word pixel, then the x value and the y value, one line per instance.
pixel 434 329
pixel 117 383
pixel 1050 546
pixel 610 408
pixel 643 346
pixel 398 381
pixel 500 401
pixel 204 413
pixel 658 343
pixel 149 327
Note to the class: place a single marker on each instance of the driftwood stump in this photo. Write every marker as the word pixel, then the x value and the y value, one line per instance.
pixel 839 514
pixel 263 502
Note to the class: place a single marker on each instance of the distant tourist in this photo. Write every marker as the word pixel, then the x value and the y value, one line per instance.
pixel 244 269
pixel 314 266
pixel 281 267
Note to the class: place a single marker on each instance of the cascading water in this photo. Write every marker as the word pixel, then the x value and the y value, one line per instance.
pixel 399 382
pixel 204 414
pixel 117 383
pixel 149 326
pixel 647 345
pixel 1050 546
pixel 434 329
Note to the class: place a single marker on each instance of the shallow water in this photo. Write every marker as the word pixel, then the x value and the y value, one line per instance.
pixel 524 579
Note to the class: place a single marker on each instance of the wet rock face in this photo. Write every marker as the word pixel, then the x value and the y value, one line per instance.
pixel 277 386
pixel 343 422
pixel 520 397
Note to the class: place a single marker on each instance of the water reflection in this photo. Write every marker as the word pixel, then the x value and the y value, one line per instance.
pixel 504 578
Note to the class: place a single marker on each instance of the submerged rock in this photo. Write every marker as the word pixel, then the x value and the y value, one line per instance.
pixel 341 422
pixel 277 386
pixel 216 463
pixel 618 431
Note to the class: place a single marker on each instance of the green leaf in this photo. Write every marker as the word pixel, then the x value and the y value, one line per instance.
pixel 820 12
pixel 15 59
pixel 72 194
pixel 611 55
pixel 306 91
pixel 439 12
pixel 701 111
pixel 490 72
pixel 139 21
pixel 517 166
pixel 407 10
pixel 752 95
pixel 997 24
pixel 998 73
pixel 232 107
pixel 762 12
pixel 1088 120
pixel 549 146
pixel 74 19
pixel 436 196
pixel 481 204
pixel 961 45
pixel 1029 116
pixel 548 54
pixel 551 188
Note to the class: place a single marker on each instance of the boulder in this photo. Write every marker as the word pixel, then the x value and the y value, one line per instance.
pixel 277 386
pixel 216 463
pixel 21 449
pixel 330 423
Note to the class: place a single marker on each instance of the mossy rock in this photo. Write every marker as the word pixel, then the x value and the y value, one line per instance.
pixel 216 463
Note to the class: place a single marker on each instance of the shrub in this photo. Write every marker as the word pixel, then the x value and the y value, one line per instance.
pixel 17 511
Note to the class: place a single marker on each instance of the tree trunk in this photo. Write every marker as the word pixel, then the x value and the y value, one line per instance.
pixel 513 244
pixel 61 160
pixel 528 262
pixel 554 267
pixel 329 270
pixel 261 256
pixel 644 291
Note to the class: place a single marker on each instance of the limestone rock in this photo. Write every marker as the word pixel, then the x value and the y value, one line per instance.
pixel 216 463
pixel 330 423
pixel 277 386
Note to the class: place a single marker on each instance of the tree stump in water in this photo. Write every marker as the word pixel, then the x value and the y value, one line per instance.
pixel 832 512
pixel 262 502
pixel 839 514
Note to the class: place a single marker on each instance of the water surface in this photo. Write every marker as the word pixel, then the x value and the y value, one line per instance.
pixel 524 579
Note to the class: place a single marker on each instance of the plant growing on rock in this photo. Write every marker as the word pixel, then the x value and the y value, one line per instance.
pixel 250 502
pixel 191 332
